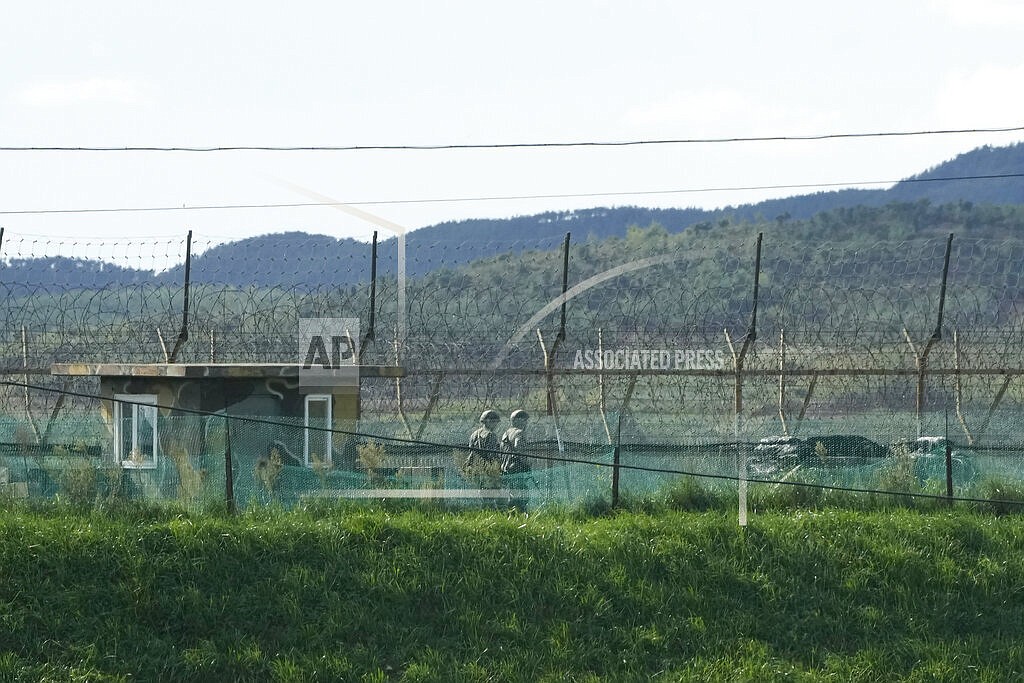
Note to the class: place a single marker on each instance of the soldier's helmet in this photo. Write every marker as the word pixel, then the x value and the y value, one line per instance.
pixel 519 416
pixel 489 416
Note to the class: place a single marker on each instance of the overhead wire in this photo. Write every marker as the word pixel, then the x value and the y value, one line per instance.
pixel 488 198
pixel 493 198
pixel 510 145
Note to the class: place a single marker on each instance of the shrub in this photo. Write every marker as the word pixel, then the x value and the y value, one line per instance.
pixel 899 475
pixel 268 470
pixel 689 495
pixel 190 479
pixel 1006 497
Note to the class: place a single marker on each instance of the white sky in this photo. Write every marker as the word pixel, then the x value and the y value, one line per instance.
pixel 191 73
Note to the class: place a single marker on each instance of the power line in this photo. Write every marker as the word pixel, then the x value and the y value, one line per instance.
pixel 515 145
pixel 496 198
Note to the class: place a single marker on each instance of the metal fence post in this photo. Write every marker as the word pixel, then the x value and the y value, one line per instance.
pixel 616 460
pixel 738 359
pixel 229 474
pixel 183 334
pixel 922 358
pixel 549 357
pixel 949 463
pixel 370 334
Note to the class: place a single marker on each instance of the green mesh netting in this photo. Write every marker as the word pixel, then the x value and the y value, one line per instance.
pixel 281 462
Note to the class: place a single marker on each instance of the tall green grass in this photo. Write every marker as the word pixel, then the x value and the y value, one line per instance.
pixel 376 593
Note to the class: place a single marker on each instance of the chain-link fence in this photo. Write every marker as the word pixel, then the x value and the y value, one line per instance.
pixel 204 459
pixel 673 355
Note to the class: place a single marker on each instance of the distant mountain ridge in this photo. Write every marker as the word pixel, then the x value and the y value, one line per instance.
pixel 302 259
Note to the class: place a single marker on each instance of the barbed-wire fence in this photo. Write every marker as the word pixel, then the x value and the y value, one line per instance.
pixel 654 338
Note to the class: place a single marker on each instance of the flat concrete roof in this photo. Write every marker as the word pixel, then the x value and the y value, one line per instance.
pixel 201 370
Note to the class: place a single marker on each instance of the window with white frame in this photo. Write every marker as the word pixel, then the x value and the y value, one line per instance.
pixel 136 444
pixel 318 439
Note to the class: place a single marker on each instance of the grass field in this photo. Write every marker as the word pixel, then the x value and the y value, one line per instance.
pixel 375 594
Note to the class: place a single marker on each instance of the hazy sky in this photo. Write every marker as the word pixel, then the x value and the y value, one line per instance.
pixel 278 73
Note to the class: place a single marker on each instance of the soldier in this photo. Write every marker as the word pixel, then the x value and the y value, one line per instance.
pixel 483 440
pixel 513 441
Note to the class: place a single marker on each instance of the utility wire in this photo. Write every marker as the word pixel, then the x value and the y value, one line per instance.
pixel 515 145
pixel 496 198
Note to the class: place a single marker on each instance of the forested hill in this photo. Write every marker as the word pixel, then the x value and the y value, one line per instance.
pixel 297 258
pixel 986 175
pixel 946 183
